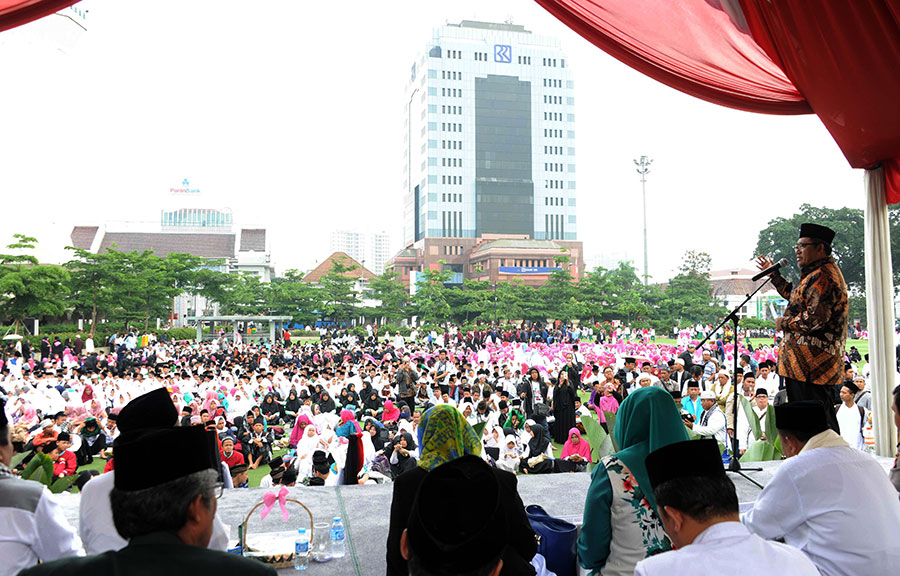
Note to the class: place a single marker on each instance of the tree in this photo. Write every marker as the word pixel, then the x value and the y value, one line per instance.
pixel 688 295
pixel 292 297
pixel 213 284
pixel 470 302
pixel 508 300
pixel 247 296
pixel 779 238
pixel 430 298
pixel 392 295
pixel 558 295
pixel 624 294
pixel 27 288
pixel 93 280
pixel 156 281
pixel 696 264
pixel 339 299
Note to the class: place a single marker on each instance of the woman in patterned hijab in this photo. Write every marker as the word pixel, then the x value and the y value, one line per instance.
pixel 444 435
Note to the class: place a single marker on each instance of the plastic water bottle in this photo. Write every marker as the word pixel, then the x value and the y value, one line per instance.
pixel 337 538
pixel 301 550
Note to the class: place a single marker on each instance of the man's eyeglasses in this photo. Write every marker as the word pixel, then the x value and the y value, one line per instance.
pixel 801 245
pixel 218 489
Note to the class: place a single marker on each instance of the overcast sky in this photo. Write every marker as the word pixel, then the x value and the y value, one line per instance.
pixel 290 113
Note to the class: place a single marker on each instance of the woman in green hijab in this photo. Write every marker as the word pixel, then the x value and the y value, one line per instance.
pixel 621 526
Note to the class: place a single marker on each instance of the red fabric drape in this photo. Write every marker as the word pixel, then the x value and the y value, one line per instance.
pixel 839 59
pixel 690 45
pixel 17 12
pixel 844 57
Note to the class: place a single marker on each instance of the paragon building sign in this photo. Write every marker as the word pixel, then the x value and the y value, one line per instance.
pixel 184 189
pixel 503 53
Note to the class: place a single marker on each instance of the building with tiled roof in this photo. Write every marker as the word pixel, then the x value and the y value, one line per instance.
pixel 83 236
pixel 163 243
pixel 732 286
pixel 315 275
pixel 206 233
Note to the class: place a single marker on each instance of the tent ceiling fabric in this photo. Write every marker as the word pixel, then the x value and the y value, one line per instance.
pixel 17 12
pixel 844 57
pixel 690 45
pixel 838 59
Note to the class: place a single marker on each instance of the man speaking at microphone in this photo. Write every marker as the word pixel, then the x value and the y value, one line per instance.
pixel 811 356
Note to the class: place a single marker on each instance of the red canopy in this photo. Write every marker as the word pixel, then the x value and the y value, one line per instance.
pixel 838 59
pixel 17 12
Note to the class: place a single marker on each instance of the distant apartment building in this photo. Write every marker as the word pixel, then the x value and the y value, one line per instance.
pixel 371 248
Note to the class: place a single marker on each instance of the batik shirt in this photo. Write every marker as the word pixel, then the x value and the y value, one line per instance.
pixel 814 324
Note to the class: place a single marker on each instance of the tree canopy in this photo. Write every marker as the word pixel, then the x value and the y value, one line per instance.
pixel 139 287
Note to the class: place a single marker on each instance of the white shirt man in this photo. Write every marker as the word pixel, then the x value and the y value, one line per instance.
pixel 443 369
pixel 32 525
pixel 767 379
pixel 830 501
pixel 863 397
pixel 716 543
pixel 712 421
pixel 851 417
pixel 744 431
pixel 679 374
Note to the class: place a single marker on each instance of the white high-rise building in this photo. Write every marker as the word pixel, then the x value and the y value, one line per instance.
pixel 370 249
pixel 489 136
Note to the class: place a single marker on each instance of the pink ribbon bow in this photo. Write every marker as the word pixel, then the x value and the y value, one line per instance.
pixel 269 499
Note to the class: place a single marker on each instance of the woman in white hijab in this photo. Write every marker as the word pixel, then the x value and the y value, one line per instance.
pixel 493 437
pixel 510 454
pixel 309 443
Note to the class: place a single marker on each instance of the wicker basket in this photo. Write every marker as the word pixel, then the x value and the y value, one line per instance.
pixel 277 561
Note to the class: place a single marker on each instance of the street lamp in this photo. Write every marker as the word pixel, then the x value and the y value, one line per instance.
pixel 643 168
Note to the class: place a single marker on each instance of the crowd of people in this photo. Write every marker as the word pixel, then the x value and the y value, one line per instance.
pixel 289 407
pixel 470 409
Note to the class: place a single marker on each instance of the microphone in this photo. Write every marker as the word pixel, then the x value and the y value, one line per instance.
pixel 771 269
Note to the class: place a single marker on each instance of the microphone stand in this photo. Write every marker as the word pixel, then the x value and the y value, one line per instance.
pixel 735 465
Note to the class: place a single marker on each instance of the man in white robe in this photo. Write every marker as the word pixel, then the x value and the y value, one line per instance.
pixel 851 416
pixel 712 421
pixel 698 507
pixel 832 502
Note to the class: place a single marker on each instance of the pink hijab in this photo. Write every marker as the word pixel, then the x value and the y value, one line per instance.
pixel 347 416
pixel 391 413
pixel 570 448
pixel 297 431
pixel 96 410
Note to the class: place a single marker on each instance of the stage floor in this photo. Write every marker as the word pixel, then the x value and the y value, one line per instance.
pixel 365 511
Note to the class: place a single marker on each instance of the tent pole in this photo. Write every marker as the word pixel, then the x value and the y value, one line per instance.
pixel 880 311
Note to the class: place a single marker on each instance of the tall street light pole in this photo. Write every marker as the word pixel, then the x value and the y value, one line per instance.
pixel 643 168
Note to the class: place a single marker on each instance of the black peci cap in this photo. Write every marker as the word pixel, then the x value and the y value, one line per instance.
pixel 817 232
pixel 801 416
pixel 686 459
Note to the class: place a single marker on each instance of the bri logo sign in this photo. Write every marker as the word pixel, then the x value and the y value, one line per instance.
pixel 185 188
pixel 502 53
